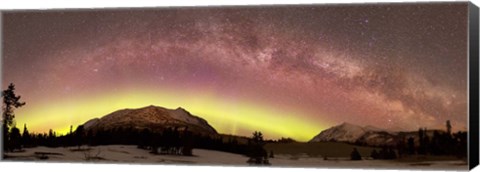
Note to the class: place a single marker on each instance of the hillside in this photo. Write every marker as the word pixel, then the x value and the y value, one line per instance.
pixel 350 133
pixel 152 117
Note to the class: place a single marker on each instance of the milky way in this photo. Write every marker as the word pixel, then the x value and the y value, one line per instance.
pixel 279 69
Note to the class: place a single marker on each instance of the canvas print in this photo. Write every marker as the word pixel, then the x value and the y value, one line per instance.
pixel 345 86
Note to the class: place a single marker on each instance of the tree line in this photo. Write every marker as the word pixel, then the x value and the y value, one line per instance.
pixel 438 143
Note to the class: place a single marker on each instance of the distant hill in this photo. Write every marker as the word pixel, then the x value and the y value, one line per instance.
pixel 152 117
pixel 344 132
pixel 351 133
pixel 368 135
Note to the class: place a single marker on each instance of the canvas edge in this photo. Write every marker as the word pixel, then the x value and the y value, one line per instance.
pixel 234 5
pixel 473 63
pixel 2 12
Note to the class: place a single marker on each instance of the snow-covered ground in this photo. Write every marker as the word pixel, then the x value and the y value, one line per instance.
pixel 131 154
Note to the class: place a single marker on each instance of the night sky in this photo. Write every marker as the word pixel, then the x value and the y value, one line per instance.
pixel 288 71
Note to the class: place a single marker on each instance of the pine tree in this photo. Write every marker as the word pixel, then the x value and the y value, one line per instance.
pixel 257 154
pixel 271 154
pixel 187 143
pixel 10 102
pixel 449 127
pixel 374 154
pixel 15 139
pixel 422 134
pixel 411 146
pixel 26 140
pixel 79 135
pixel 355 155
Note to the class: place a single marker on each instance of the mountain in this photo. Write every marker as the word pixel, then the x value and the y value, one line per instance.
pixel 152 117
pixel 344 132
pixel 350 133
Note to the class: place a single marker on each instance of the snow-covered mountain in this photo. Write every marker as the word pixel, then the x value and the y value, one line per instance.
pixel 351 133
pixel 344 132
pixel 152 117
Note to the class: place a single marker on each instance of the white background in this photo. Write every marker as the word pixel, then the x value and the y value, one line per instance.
pixel 63 167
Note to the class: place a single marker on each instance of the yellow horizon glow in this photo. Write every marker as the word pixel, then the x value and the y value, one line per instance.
pixel 226 116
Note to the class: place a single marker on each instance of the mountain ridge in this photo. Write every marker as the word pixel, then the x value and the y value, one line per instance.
pixel 351 133
pixel 152 117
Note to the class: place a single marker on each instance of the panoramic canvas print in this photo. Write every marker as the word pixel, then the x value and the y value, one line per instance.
pixel 346 86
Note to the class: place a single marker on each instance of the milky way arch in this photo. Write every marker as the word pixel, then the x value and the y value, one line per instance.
pixel 304 67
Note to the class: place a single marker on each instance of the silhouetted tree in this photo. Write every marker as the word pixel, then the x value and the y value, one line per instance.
pixel 79 136
pixel 26 139
pixel 257 137
pixel 411 145
pixel 449 127
pixel 15 139
pixel 383 154
pixel 401 147
pixel 155 143
pixel 422 133
pixel 374 154
pixel 257 154
pixel 175 141
pixel 391 154
pixel 435 143
pixel 450 143
pixel 187 143
pixel 10 102
pixel 426 144
pixel 144 140
pixel 355 155
pixel 461 138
